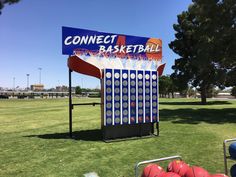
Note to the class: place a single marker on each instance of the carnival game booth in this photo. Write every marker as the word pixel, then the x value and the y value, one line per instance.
pixel 128 68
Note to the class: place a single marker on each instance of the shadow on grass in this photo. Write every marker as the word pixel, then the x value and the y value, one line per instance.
pixel 196 103
pixel 85 135
pixel 196 116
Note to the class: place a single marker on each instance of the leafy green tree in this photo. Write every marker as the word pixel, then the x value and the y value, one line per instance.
pixel 200 44
pixel 233 91
pixel 226 55
pixel 162 88
pixel 180 85
pixel 191 92
pixel 212 92
pixel 3 2
pixel 166 86
pixel 78 90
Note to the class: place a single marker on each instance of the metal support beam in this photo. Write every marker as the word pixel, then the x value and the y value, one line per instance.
pixel 152 161
pixel 70 105
pixel 225 153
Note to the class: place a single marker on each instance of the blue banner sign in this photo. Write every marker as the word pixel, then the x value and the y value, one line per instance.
pixel 74 39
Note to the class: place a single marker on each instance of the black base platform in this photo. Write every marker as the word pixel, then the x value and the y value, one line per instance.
pixel 122 132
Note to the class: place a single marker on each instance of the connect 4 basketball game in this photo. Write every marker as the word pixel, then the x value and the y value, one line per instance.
pixel 128 68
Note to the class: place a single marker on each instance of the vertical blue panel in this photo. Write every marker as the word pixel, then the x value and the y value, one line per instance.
pixel 132 96
pixel 125 97
pixel 154 96
pixel 117 97
pixel 140 96
pixel 108 97
pixel 147 96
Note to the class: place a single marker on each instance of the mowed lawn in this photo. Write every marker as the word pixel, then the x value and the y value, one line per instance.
pixel 34 138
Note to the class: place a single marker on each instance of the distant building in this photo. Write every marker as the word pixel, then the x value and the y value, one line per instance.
pixel 37 87
pixel 224 95
pixel 62 88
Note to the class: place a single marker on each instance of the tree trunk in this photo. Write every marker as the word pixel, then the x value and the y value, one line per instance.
pixel 203 95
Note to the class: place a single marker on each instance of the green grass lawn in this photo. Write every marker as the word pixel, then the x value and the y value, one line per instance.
pixel 34 139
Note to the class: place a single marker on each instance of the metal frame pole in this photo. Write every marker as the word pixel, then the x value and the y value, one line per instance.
pixel 225 153
pixel 157 127
pixel 225 160
pixel 70 105
pixel 152 161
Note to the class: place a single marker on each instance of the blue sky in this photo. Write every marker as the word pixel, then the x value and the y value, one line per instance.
pixel 30 34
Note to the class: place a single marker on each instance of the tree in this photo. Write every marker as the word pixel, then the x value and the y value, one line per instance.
pixel 191 92
pixel 78 90
pixel 227 35
pixel 166 86
pixel 202 62
pixel 212 92
pixel 233 91
pixel 3 2
pixel 180 85
pixel 163 86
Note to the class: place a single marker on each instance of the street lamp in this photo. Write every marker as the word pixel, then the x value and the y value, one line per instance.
pixel 27 88
pixel 14 79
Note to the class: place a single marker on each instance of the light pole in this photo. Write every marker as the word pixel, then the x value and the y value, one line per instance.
pixel 40 69
pixel 27 88
pixel 14 79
